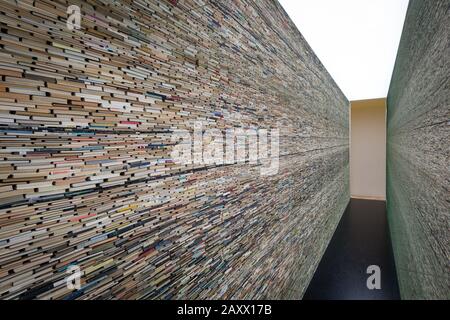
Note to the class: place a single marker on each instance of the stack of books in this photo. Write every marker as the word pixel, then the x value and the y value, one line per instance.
pixel 87 176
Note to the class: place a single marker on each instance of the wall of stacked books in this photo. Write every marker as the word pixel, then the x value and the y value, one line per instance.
pixel 418 172
pixel 89 121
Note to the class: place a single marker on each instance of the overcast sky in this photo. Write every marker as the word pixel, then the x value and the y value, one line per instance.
pixel 356 40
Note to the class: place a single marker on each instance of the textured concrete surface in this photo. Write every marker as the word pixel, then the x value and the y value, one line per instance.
pixel 418 153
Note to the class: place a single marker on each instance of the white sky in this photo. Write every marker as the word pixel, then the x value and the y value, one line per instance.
pixel 356 40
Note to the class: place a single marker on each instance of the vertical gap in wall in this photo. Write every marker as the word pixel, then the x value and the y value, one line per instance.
pixel 350 146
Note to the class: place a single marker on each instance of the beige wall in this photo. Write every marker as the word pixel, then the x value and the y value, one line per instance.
pixel 368 149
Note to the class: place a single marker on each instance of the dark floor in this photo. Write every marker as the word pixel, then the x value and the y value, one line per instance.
pixel 361 239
